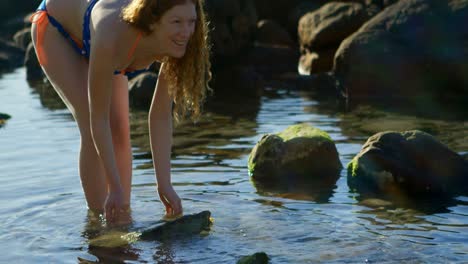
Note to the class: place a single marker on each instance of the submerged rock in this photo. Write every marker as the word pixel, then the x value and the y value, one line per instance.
pixel 3 118
pixel 257 258
pixel 410 164
pixel 184 226
pixel 300 152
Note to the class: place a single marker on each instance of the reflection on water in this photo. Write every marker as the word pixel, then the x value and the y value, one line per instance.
pixel 45 219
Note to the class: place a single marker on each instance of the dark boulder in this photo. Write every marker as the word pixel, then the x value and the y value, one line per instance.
pixel 409 164
pixel 412 49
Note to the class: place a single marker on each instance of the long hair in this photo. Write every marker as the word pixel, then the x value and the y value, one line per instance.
pixel 188 76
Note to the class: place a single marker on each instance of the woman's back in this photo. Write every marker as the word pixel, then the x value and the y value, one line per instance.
pixel 70 13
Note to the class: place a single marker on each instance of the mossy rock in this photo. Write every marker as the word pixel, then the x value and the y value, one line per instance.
pixel 411 163
pixel 300 151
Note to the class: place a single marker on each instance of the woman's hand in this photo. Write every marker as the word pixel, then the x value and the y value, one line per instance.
pixel 171 201
pixel 114 205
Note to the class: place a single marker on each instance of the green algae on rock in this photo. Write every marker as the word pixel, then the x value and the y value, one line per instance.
pixel 301 150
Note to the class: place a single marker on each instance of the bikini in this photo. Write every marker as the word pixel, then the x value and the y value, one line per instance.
pixel 41 17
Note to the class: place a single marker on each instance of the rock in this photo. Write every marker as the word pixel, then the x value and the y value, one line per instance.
pixel 3 118
pixel 375 203
pixel 411 163
pixel 238 80
pixel 233 24
pixel 411 50
pixel 113 239
pixel 270 61
pixel 257 258
pixel 297 12
pixel 182 227
pixel 34 71
pixel 389 2
pixel 142 89
pixel 329 25
pixel 277 10
pixel 316 62
pixel 301 152
pixel 22 38
pixel 271 33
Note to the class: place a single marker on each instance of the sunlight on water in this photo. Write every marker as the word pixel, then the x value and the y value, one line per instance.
pixel 44 218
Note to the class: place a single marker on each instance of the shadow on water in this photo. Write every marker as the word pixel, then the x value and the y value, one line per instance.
pixel 48 97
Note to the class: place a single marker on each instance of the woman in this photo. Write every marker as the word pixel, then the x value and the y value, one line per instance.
pixel 86 47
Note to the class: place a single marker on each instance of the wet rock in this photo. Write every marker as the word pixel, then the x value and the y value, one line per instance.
pixel 409 164
pixel 295 14
pixel 34 71
pixel 375 203
pixel 237 81
pixel 3 118
pixel 316 62
pixel 184 226
pixel 329 25
pixel 270 32
pixel 270 61
pixel 233 24
pixel 257 258
pixel 142 89
pixel 300 153
pixel 412 49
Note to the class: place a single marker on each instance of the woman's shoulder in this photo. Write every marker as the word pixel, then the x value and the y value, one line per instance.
pixel 106 21
pixel 110 32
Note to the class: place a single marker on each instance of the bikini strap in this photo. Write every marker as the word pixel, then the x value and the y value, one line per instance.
pixel 134 46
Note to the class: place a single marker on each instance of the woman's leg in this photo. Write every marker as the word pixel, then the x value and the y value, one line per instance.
pixel 120 127
pixel 68 73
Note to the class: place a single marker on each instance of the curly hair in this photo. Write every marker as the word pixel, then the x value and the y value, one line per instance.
pixel 188 76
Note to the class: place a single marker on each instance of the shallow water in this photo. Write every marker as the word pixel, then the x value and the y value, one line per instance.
pixel 43 216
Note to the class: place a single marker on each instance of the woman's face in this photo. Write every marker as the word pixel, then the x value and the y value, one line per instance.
pixel 176 27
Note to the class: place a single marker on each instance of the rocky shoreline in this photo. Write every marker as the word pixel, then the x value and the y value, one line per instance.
pixel 365 50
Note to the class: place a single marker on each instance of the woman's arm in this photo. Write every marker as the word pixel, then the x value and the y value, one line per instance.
pixel 160 126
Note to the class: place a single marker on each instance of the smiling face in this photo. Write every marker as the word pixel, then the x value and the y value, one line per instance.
pixel 175 28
